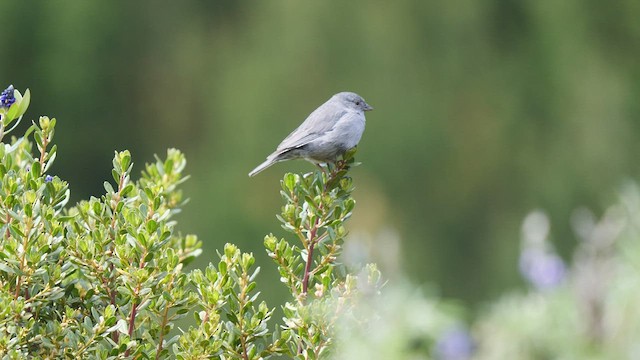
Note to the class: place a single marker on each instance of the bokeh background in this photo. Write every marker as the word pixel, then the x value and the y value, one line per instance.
pixel 484 110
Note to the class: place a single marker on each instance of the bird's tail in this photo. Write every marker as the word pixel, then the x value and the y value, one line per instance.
pixel 270 161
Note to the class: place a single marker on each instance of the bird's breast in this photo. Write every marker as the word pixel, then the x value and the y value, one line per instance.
pixel 348 130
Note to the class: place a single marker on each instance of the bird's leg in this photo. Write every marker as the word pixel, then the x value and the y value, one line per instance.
pixel 319 165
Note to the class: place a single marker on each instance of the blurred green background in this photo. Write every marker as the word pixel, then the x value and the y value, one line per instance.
pixel 484 110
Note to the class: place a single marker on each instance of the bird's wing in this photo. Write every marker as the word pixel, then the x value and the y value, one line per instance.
pixel 317 123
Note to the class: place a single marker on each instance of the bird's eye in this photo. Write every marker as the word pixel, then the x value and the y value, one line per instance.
pixel 357 102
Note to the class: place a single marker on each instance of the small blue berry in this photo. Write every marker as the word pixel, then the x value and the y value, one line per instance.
pixel 7 98
pixel 455 344
pixel 48 178
pixel 542 269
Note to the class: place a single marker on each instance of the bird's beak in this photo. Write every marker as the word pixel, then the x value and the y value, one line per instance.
pixel 367 107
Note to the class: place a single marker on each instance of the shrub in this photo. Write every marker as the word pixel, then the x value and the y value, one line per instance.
pixel 106 278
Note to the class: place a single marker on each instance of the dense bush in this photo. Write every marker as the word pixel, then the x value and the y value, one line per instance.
pixel 105 278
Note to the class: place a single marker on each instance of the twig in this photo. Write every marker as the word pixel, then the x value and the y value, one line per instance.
pixel 164 319
pixel 313 233
pixel 307 267
pixel 23 259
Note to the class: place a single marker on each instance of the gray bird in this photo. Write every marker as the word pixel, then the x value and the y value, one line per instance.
pixel 330 130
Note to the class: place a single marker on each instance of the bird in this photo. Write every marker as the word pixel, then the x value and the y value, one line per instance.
pixel 329 131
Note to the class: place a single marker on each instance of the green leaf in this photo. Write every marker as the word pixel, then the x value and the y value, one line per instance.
pixel 125 160
pixel 230 250
pixel 108 187
pixel 87 323
pixel 168 166
pixel 24 103
pixel 127 190
pixel 182 311
pixel 36 169
pixel 4 267
pixel 290 181
pixel 37 136
pixel 14 108
pixel 13 112
pixel 250 287
pixel 222 267
pixel 232 318
pixel 116 176
pixel 152 226
pixel 52 157
pixel 247 261
pixel 15 231
pixel 270 242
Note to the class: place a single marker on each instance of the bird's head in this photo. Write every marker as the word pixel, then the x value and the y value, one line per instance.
pixel 353 101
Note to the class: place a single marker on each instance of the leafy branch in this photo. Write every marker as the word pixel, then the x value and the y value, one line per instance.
pixel 105 278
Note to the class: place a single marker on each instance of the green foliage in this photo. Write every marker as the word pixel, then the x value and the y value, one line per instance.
pixel 101 279
pixel 230 322
pixel 317 206
pixel 105 278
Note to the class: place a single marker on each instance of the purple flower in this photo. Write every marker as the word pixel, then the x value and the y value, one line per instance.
pixel 7 98
pixel 48 178
pixel 544 270
pixel 454 344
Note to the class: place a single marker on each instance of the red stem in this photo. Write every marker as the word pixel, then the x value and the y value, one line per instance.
pixel 132 321
pixel 314 231
pixel 312 243
pixel 307 268
pixel 164 323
